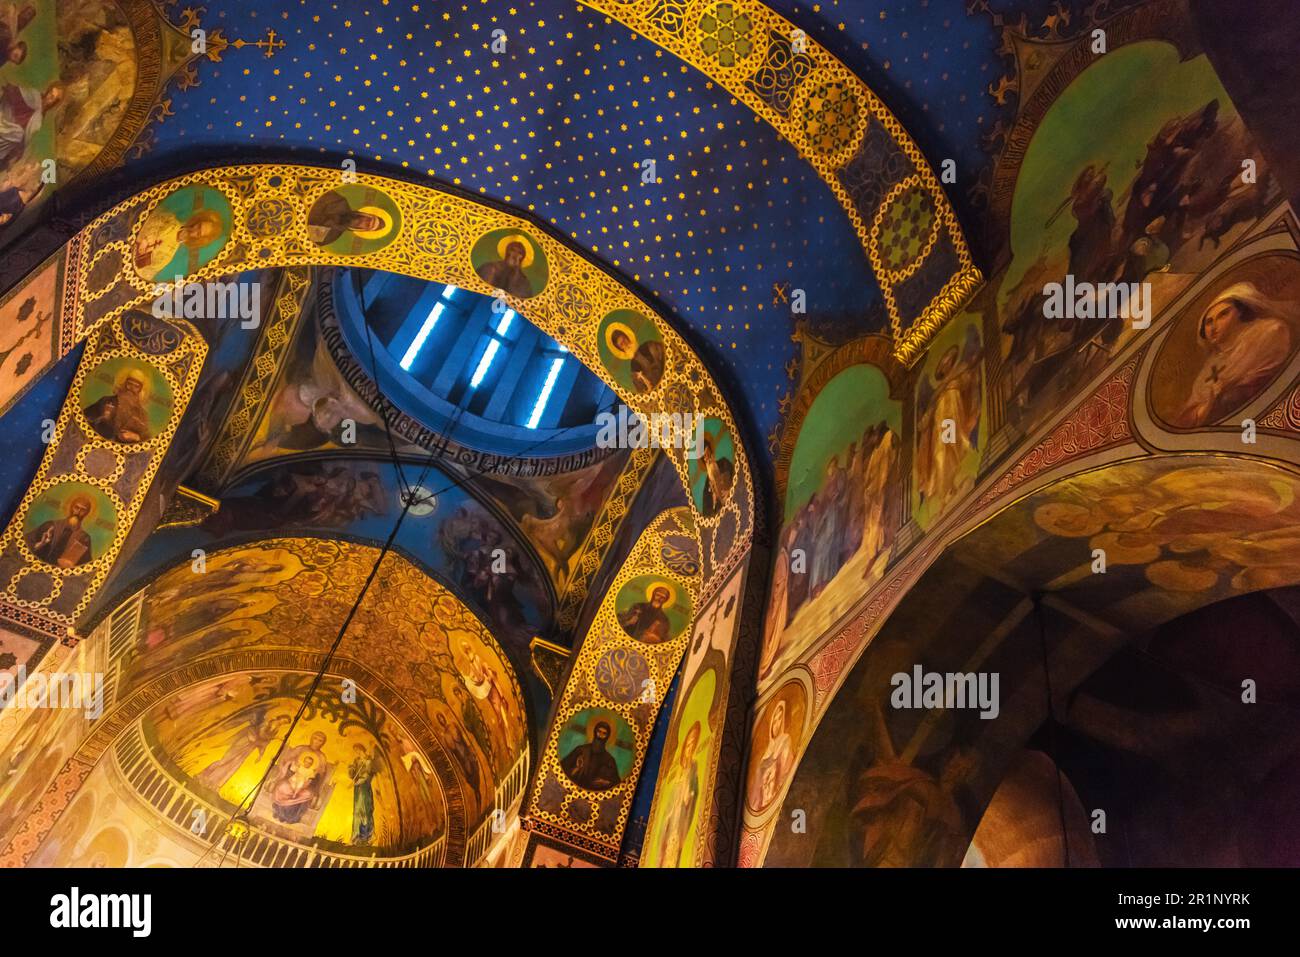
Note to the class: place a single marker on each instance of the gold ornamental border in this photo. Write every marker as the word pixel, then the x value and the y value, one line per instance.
pixel 258 384
pixel 640 712
pixel 700 661
pixel 437 232
pixel 760 37
pixel 590 556
pixel 907 270
pixel 180 368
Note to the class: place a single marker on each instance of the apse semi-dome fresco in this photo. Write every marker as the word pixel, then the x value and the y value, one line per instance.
pixel 390 805
pixel 648 434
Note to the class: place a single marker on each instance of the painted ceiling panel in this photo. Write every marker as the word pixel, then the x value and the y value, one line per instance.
pixel 414 649
pixel 561 120
pixel 558 125
pixel 447 531
pixel 24 423
pixel 929 60
pixel 940 67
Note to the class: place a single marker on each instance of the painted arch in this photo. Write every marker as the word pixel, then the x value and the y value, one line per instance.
pixel 842 129
pixel 219 222
pixel 419 703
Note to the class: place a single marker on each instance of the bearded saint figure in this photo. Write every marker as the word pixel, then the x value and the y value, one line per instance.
pixel 63 541
pixel 121 416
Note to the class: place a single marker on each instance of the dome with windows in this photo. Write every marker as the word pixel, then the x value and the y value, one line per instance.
pixel 468 365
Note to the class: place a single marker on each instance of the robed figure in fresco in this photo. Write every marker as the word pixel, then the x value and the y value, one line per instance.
pixel 460 752
pixel 645 360
pixel 590 765
pixel 332 215
pixel 878 483
pixel 365 765
pixel 1092 242
pixel 163 235
pixel 121 416
pixel 64 542
pixel 647 365
pixel 797 586
pixel 507 273
pixel 720 473
pixel 646 621
pixel 779 605
pixel 1246 344
pixel 476 725
pixel 777 759
pixel 681 794
pixel 23 110
pixel 829 527
pixel 481 682
pixel 947 423
pixel 14 19
pixel 256 737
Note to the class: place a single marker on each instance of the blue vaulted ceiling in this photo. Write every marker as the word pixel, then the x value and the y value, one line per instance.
pixel 930 61
pixel 935 64
pixel 559 124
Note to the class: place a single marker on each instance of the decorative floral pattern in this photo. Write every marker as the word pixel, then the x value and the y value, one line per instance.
pixel 781 73
pixel 724 34
pixel 830 117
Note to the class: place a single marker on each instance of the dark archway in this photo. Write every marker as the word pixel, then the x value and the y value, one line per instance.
pixel 882 785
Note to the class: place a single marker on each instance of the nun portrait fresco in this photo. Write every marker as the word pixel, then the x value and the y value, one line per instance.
pixel 1246 343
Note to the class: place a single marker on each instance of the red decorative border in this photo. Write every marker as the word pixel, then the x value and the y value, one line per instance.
pixel 751 849
pixel 1099 422
pixel 1285 416
pixel 38 824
